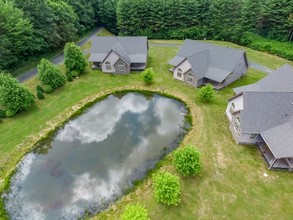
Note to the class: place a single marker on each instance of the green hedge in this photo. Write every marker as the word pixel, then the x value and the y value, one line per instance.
pixel 282 49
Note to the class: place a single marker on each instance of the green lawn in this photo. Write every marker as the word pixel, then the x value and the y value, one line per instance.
pixel 232 185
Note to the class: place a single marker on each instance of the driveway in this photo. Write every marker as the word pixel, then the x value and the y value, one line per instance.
pixel 58 58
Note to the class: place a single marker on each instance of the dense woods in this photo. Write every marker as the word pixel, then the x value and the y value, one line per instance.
pixel 213 19
pixel 32 28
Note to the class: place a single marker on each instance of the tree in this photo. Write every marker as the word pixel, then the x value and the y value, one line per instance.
pixel 148 76
pixel 187 161
pixel 167 188
pixel 15 35
pixel 74 58
pixel 135 212
pixel 14 97
pixel 107 13
pixel 206 93
pixel 66 21
pixel 49 74
pixel 42 18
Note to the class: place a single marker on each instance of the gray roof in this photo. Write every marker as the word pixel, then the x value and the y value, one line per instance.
pixel 281 80
pixel 280 139
pixel 216 58
pixel 265 110
pixel 131 49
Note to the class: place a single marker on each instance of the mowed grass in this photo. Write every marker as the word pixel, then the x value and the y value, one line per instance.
pixel 232 185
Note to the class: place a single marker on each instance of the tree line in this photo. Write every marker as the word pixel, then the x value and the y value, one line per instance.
pixel 211 19
pixel 30 28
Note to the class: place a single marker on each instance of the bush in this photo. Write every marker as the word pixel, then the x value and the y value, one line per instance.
pixel 74 59
pixel 207 93
pixel 69 77
pixel 135 212
pixel 10 113
pixel 167 188
pixel 13 95
pixel 48 89
pixel 40 95
pixel 2 113
pixel 187 161
pixel 40 88
pixel 148 76
pixel 49 74
pixel 74 73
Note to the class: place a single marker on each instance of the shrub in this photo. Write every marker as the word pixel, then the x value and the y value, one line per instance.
pixel 187 161
pixel 49 74
pixel 40 95
pixel 10 113
pixel 135 212
pixel 69 77
pixel 40 88
pixel 207 93
pixel 48 89
pixel 2 113
pixel 74 73
pixel 13 95
pixel 148 76
pixel 167 188
pixel 74 59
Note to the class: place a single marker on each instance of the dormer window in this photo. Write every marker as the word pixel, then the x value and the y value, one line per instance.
pixel 179 72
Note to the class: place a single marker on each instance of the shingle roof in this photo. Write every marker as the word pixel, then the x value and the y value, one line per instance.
pixel 265 110
pixel 219 58
pixel 281 80
pixel 134 49
pixel 280 139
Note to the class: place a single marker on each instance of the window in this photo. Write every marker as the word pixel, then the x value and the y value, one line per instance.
pixel 179 72
pixel 238 120
pixel 189 79
pixel 108 65
pixel 232 108
pixel 121 66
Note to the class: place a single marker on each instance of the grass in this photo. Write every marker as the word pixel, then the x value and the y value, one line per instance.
pixel 232 185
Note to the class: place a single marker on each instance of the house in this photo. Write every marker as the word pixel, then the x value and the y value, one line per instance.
pixel 199 63
pixel 262 114
pixel 119 54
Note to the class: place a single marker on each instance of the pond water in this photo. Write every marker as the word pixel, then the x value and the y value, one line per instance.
pixel 93 159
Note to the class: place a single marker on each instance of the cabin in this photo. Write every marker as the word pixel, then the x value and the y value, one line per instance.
pixel 262 114
pixel 119 55
pixel 198 63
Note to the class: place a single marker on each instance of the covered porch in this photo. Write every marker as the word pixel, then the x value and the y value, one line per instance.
pixel 137 66
pixel 275 163
pixel 96 65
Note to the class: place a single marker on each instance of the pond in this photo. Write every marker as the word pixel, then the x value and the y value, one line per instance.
pixel 96 157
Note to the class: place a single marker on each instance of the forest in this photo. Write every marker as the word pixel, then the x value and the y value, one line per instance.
pixel 30 28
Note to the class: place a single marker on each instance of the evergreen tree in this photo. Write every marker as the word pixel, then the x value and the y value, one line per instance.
pixel 49 74
pixel 74 59
pixel 14 97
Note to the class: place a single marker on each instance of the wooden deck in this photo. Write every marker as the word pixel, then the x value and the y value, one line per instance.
pixel 272 161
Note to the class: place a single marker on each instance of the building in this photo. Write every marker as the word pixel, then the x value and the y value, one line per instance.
pixel 119 55
pixel 262 114
pixel 199 63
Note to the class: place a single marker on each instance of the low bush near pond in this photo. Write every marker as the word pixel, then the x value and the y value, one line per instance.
pixel 167 188
pixel 187 161
pixel 135 212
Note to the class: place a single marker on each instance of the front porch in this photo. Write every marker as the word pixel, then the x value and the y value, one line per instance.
pixel 282 163
pixel 96 66
pixel 137 66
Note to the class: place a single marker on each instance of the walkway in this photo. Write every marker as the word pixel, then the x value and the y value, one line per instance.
pixel 58 58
